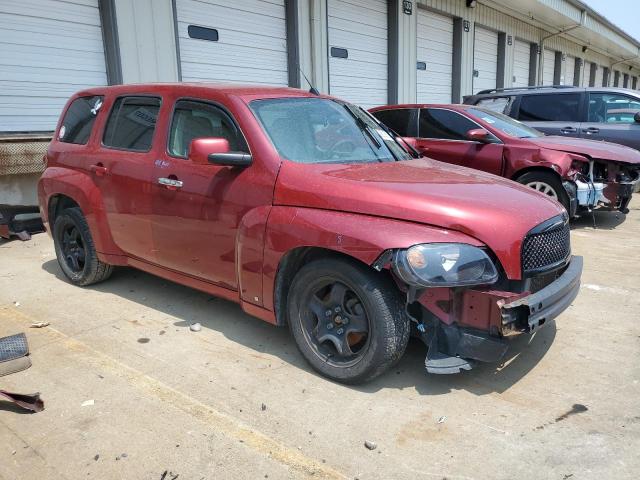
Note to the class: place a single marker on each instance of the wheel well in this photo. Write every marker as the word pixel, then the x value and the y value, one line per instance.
pixel 289 265
pixel 520 173
pixel 57 204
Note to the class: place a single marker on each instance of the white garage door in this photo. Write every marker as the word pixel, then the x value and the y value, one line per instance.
pixel 569 69
pixel 358 69
pixel 245 42
pixel 521 63
pixel 485 59
pixel 548 67
pixel 586 74
pixel 49 49
pixel 599 76
pixel 435 54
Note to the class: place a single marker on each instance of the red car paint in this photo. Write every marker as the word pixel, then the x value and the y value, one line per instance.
pixel 512 156
pixel 227 230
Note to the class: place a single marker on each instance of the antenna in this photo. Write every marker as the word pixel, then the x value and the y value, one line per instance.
pixel 313 89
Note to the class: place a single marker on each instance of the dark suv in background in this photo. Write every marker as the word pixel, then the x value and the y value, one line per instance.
pixel 611 114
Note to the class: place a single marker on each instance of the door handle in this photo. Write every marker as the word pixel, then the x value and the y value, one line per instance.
pixel 99 169
pixel 591 130
pixel 170 183
pixel 569 130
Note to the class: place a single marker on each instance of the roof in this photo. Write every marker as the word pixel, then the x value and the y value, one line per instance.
pixel 239 90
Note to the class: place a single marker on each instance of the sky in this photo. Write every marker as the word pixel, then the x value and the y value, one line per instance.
pixel 622 13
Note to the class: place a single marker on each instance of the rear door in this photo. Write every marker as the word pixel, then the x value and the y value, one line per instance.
pixel 552 113
pixel 442 136
pixel 610 117
pixel 122 170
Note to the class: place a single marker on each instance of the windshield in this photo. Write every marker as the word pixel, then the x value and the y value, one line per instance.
pixel 321 130
pixel 505 124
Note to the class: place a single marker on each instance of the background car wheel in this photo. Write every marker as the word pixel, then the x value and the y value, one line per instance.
pixel 348 321
pixel 548 184
pixel 75 251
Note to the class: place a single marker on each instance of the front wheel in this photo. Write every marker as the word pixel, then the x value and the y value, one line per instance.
pixel 348 321
pixel 547 184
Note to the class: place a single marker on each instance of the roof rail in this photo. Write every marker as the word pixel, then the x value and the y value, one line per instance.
pixel 537 87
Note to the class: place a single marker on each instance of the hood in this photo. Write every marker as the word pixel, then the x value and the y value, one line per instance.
pixel 591 148
pixel 494 210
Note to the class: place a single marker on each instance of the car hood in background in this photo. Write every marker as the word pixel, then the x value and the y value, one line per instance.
pixel 591 148
pixel 494 210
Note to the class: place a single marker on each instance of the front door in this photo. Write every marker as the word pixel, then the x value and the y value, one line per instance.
pixel 122 170
pixel 195 221
pixel 611 117
pixel 442 136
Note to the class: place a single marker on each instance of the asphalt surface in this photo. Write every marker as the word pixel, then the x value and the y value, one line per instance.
pixel 236 400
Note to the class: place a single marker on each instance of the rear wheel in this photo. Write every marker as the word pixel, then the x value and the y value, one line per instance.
pixel 75 251
pixel 547 184
pixel 347 320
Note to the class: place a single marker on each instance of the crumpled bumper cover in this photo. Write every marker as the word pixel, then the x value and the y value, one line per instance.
pixel 533 311
pixel 448 344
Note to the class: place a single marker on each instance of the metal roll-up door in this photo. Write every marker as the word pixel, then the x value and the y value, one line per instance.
pixel 521 63
pixel 435 57
pixel 569 69
pixel 49 49
pixel 549 67
pixel 485 59
pixel 358 36
pixel 599 76
pixel 238 42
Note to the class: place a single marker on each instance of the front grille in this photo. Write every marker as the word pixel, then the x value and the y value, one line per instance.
pixel 545 248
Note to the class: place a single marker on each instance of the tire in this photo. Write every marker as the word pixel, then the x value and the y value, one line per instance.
pixel 75 250
pixel 548 183
pixel 351 356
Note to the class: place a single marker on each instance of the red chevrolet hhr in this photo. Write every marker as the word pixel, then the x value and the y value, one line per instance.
pixel 309 213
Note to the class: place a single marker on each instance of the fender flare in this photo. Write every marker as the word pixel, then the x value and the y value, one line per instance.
pixel 79 187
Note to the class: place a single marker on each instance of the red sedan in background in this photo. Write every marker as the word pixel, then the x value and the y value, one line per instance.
pixel 580 174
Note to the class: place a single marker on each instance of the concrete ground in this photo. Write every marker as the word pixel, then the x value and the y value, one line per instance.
pixel 236 400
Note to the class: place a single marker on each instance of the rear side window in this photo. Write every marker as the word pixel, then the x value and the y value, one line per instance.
pixel 549 108
pixel 79 119
pixel 397 120
pixel 132 123
pixel 496 104
pixel 444 124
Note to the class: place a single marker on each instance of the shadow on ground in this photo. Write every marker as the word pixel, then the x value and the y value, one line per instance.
pixel 226 317
pixel 601 219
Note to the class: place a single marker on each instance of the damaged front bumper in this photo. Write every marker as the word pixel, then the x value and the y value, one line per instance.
pixel 454 347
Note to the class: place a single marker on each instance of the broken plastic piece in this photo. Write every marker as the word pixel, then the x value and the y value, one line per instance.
pixel 31 402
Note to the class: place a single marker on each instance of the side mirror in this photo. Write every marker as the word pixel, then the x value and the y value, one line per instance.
pixel 201 148
pixel 205 151
pixel 636 117
pixel 479 135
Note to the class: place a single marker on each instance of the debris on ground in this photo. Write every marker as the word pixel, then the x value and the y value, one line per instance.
pixel 263 407
pixel 16 304
pixel 195 327
pixel 88 403
pixel 442 419
pixel 31 402
pixel 39 325
pixel 370 445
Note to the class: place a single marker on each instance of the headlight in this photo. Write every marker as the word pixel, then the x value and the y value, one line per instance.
pixel 444 265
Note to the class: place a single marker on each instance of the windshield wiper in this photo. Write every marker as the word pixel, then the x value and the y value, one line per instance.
pixel 363 126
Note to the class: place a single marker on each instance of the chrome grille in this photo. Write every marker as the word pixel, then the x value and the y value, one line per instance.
pixel 543 250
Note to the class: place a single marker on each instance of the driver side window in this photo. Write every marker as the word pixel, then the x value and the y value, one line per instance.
pixel 442 124
pixel 193 119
